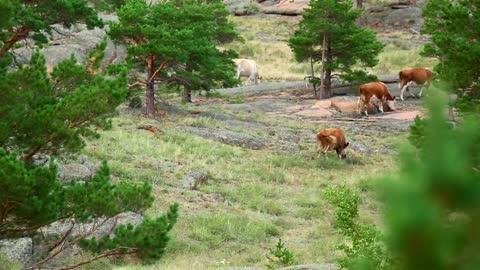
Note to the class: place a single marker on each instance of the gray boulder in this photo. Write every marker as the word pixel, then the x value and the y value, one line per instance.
pixel 194 179
pixel 74 172
pixel 81 171
pixel 59 228
pixel 18 250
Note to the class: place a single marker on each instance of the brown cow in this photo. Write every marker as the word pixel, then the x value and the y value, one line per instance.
pixel 332 138
pixel 377 89
pixel 421 76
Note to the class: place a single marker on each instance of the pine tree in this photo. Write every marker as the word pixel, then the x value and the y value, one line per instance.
pixel 346 44
pixel 176 42
pixel 455 28
pixel 21 19
pixel 53 114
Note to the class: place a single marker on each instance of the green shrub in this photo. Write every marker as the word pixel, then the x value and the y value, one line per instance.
pixel 280 256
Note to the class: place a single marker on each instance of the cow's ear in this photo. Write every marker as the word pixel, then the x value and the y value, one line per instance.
pixel 346 144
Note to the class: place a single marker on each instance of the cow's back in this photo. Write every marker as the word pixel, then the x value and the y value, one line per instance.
pixel 246 66
pixel 419 75
pixel 378 89
pixel 332 136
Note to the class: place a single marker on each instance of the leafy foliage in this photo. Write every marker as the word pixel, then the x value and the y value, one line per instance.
pixel 433 207
pixel 453 26
pixel 54 113
pixel 366 249
pixel 347 44
pixel 48 113
pixel 22 19
pixel 282 256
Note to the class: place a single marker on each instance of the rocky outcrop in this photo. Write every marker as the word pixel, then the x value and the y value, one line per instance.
pixel 82 170
pixel 18 250
pixel 194 179
pixel 228 137
pixel 77 41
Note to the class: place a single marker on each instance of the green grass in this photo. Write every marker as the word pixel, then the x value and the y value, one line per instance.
pixel 266 43
pixel 216 229
pixel 268 195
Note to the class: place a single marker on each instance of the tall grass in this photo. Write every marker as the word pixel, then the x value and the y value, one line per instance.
pixel 265 41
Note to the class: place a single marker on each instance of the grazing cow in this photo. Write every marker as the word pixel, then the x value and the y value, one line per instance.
pixel 421 76
pixel 247 68
pixel 377 89
pixel 332 138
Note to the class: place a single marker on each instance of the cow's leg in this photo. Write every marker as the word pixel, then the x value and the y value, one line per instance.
pixel 360 105
pixel 251 79
pixel 402 89
pixel 380 106
pixel 325 150
pixel 426 85
pixel 318 146
pixel 408 89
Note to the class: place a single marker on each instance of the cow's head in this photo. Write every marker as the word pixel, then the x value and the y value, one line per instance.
pixel 391 102
pixel 341 150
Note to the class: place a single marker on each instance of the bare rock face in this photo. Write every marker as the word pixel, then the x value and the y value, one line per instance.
pixel 229 137
pixel 77 41
pixel 82 170
pixel 106 229
pixel 18 250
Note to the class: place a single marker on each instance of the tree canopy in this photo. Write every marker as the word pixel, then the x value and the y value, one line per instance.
pixel 347 44
pixel 21 19
pixel 53 114
pixel 454 29
pixel 175 42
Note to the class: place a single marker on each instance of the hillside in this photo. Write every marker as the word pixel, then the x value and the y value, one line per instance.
pixel 253 153
pixel 241 162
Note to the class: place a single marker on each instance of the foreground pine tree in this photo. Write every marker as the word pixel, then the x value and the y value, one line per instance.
pixel 53 114
pixel 329 35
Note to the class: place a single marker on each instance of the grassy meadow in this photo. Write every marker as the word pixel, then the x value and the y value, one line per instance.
pixel 266 42
pixel 266 196
pixel 253 197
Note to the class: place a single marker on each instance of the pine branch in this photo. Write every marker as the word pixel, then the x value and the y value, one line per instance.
pixel 70 244
pixel 114 252
pixel 157 71
pixel 19 34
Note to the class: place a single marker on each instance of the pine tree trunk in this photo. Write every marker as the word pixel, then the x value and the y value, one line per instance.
pixel 359 3
pixel 313 78
pixel 187 94
pixel 322 82
pixel 150 93
pixel 328 84
pixel 328 71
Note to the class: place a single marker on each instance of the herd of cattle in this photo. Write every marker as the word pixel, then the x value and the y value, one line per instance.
pixel 334 138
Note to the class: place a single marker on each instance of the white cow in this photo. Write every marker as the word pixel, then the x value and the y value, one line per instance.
pixel 247 68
